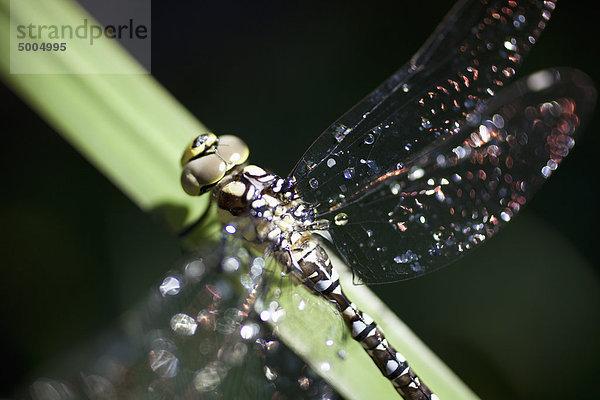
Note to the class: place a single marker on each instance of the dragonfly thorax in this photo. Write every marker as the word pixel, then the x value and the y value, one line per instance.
pixel 245 188
pixel 266 210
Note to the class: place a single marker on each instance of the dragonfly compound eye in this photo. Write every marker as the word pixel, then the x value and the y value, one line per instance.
pixel 201 146
pixel 232 150
pixel 199 174
pixel 207 159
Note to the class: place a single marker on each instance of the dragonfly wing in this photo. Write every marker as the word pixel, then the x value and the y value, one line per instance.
pixel 470 56
pixel 456 196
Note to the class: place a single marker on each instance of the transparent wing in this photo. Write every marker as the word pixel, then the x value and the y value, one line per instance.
pixel 197 336
pixel 456 196
pixel 472 54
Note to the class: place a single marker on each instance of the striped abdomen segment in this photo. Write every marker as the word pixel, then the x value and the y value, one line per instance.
pixel 311 264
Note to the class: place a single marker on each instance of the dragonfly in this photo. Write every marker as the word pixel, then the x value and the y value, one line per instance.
pixel 422 171
pixel 442 120
pixel 426 168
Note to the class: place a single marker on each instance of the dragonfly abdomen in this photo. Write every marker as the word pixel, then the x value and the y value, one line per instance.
pixel 309 262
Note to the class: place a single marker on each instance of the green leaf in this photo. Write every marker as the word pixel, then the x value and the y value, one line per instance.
pixel 133 131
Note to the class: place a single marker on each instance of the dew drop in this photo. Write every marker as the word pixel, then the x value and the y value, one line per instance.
pixel 277 293
pixel 278 315
pixel 508 72
pixel 231 264
pixel 425 123
pixel 546 171
pixel 270 374
pixel 274 305
pixel 369 139
pixel 303 382
pixel 195 269
pixel 208 378
pixel 498 121
pixel 473 118
pixel 313 183
pixel 247 281
pixel 301 305
pixel 374 168
pixel 416 173
pixel 510 46
pixel 341 219
pixel 416 267
pixel 233 355
pixel 163 363
pixel 183 324
pixel 249 331
pixel 257 267
pixel 405 258
pixel 331 163
pixel 349 173
pixel 265 315
pixel 170 286
pixel 340 132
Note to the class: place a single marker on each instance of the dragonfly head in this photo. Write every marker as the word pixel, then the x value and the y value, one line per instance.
pixel 208 158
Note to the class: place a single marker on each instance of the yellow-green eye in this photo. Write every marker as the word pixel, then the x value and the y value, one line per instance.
pixel 202 145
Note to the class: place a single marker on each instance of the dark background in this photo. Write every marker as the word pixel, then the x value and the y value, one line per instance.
pixel 519 318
